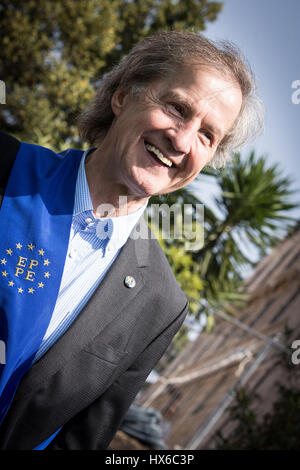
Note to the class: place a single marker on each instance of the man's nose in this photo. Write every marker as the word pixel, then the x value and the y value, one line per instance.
pixel 183 137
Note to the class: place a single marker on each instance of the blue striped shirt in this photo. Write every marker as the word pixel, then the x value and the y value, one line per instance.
pixel 93 246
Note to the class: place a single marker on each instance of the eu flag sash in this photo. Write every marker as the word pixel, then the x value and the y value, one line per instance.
pixel 35 221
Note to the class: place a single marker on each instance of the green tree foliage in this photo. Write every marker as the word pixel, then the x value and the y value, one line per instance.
pixel 186 272
pixel 53 54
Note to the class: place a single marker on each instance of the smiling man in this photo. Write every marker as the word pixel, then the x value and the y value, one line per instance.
pixel 159 141
pixel 87 310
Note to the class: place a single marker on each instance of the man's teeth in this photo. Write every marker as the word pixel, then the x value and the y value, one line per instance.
pixel 159 155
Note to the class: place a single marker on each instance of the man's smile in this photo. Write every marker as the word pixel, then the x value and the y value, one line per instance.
pixel 157 154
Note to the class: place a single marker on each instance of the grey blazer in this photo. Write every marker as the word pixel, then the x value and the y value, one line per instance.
pixel 87 380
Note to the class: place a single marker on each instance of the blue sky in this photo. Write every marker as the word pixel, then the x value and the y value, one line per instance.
pixel 268 33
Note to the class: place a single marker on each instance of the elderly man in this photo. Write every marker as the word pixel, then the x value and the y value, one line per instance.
pixel 87 310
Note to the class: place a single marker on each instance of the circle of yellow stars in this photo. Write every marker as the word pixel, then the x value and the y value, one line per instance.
pixel 11 283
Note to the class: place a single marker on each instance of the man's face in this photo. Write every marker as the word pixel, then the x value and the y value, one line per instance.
pixel 162 140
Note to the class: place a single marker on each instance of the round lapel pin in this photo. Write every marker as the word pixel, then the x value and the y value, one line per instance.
pixel 129 281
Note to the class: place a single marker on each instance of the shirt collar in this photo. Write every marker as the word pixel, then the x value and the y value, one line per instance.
pixel 83 200
pixel 122 225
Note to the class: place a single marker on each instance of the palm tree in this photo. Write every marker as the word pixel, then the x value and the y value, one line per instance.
pixel 254 202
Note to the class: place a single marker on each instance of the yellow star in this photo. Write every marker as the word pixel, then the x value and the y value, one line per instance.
pixel 20 290
pixel 40 284
pixel 3 261
pixel 31 290
pixel 19 246
pixel 11 283
pixel 41 252
pixel 4 273
pixel 30 247
pixel 47 274
pixel 9 252
pixel 46 262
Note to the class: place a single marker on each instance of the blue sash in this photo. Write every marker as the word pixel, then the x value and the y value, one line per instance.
pixel 35 221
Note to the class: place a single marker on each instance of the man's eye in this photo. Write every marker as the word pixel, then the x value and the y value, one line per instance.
pixel 178 108
pixel 207 135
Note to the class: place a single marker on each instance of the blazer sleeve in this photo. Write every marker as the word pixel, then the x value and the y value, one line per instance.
pixel 94 427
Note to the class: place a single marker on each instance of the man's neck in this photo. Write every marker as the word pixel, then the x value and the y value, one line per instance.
pixel 108 198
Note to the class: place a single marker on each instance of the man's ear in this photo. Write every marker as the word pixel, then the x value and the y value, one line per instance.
pixel 117 101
